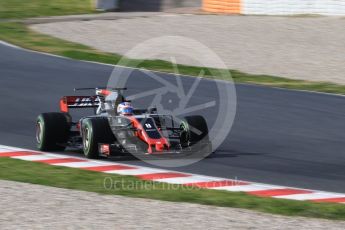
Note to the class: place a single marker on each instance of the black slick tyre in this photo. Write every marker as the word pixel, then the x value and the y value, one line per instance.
pixel 52 130
pixel 94 132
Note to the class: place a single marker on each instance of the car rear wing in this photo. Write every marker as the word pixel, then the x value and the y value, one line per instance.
pixel 68 102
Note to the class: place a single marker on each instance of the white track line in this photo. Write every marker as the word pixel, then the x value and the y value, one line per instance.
pixel 311 196
pixel 35 157
pixel 188 179
pixel 247 188
pixel 80 164
pixel 9 45
pixel 136 172
pixel 4 150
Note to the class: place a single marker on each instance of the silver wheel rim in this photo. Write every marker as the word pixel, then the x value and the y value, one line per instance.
pixel 39 132
pixel 184 127
pixel 86 138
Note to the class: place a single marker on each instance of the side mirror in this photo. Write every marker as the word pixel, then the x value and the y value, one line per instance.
pixel 152 110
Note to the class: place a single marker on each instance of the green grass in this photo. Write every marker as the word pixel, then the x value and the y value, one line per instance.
pixel 14 9
pixel 18 34
pixel 71 178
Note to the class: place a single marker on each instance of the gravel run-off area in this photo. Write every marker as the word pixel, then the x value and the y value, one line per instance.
pixel 28 206
pixel 310 48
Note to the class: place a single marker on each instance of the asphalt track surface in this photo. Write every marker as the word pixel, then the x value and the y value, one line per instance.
pixel 281 137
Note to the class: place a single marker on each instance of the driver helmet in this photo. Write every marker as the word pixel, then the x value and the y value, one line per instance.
pixel 125 108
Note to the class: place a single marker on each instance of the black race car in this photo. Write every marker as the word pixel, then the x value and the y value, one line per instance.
pixel 106 133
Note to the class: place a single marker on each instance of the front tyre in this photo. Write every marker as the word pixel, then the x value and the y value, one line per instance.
pixel 52 131
pixel 94 132
pixel 194 134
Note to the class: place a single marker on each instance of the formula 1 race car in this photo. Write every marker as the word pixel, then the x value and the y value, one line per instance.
pixel 107 133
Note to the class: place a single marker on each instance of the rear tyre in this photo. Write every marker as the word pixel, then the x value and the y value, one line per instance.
pixel 94 132
pixel 52 131
pixel 195 134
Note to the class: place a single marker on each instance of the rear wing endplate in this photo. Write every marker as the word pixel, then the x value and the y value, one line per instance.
pixel 68 102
